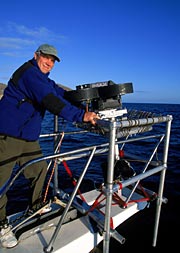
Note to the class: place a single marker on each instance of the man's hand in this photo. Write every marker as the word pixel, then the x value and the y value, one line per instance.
pixel 90 117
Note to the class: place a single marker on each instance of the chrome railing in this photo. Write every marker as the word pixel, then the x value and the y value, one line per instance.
pixel 128 128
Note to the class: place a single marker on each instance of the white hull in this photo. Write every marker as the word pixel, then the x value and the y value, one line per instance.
pixel 76 235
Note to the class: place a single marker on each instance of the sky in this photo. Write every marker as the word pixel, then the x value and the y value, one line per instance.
pixel 135 41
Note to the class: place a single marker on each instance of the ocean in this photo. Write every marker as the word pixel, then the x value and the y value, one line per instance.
pixel 138 230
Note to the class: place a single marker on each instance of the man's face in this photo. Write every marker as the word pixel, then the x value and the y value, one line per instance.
pixel 44 61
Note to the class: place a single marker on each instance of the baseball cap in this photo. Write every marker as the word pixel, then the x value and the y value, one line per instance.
pixel 48 49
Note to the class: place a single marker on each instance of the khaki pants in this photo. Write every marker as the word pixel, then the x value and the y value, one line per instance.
pixel 15 151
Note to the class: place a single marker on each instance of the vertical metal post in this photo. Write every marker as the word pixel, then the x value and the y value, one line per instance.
pixel 161 182
pixel 55 185
pixel 109 185
pixel 49 248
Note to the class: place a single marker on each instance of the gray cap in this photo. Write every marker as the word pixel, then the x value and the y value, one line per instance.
pixel 48 49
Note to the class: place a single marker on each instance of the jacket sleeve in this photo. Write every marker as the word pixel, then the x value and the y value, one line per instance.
pixel 48 94
pixel 59 106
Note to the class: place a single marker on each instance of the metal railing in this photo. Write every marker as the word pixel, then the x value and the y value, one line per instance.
pixel 115 129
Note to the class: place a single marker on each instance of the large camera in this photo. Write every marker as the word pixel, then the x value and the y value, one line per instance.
pixel 99 96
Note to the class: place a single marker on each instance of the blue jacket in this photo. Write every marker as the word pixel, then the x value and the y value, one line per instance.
pixel 28 95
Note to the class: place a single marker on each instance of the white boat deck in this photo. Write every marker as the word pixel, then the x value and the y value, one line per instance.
pixel 74 236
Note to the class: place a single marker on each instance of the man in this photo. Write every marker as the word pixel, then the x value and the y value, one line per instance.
pixel 29 93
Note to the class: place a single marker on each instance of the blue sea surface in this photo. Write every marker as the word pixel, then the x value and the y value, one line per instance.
pixel 170 213
pixel 172 185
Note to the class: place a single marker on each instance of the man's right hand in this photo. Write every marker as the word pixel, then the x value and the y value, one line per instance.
pixel 90 117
